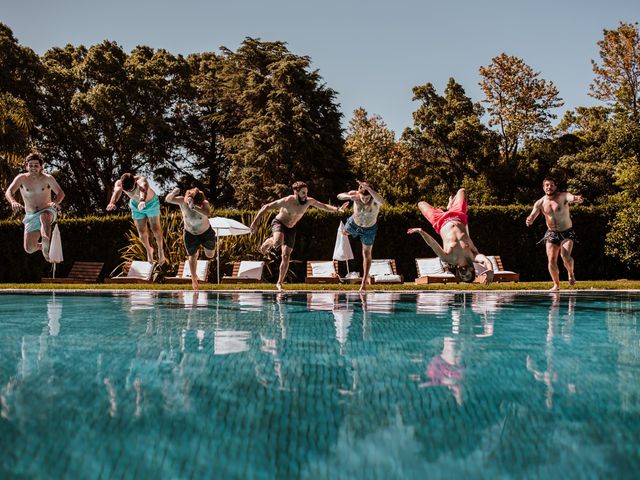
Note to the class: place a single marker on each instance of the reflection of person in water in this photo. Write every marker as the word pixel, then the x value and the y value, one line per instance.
pixel 550 375
pixel 444 369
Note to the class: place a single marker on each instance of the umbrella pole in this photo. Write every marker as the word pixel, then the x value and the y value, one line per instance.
pixel 347 262
pixel 54 271
pixel 218 255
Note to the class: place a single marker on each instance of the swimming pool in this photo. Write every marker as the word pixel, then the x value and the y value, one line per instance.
pixel 320 385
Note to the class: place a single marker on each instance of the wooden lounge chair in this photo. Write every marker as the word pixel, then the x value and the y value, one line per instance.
pixel 499 273
pixel 322 271
pixel 134 272
pixel 81 272
pixel 246 271
pixel 384 271
pixel 430 270
pixel 184 272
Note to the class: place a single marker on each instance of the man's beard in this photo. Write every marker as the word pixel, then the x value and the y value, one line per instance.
pixel 301 202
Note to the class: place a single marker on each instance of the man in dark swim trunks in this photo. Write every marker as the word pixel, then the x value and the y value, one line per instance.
pixel 197 231
pixel 560 236
pixel 292 209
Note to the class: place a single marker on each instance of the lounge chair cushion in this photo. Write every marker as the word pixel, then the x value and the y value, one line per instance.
pixel 141 270
pixel 250 269
pixel 323 269
pixel 201 270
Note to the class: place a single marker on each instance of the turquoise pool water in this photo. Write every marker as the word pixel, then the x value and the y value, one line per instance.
pixel 323 385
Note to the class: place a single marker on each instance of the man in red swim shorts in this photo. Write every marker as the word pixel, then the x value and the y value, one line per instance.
pixel 458 250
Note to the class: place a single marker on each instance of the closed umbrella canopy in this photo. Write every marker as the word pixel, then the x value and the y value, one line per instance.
pixel 55 249
pixel 342 250
pixel 226 227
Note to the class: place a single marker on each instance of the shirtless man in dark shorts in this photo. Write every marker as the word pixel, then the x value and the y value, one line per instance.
pixel 560 236
pixel 458 250
pixel 197 230
pixel 292 209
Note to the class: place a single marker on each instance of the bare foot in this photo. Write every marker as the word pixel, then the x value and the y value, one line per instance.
pixel 194 283
pixel 45 248
pixel 150 255
pixel 572 280
pixel 279 287
pixel 363 287
pixel 555 288
pixel 161 258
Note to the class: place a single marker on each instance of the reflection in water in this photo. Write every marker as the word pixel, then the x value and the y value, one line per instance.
pixel 323 384
pixel 556 323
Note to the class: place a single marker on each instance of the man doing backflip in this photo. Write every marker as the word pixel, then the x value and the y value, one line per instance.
pixel 36 189
pixel 363 223
pixel 458 250
pixel 197 231
pixel 560 236
pixel 292 209
pixel 145 209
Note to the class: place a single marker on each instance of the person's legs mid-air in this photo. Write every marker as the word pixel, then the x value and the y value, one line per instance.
pixel 366 264
pixel 143 233
pixel 46 219
pixel 284 265
pixel 31 244
pixel 565 252
pixel 193 268
pixel 552 256
pixel 156 228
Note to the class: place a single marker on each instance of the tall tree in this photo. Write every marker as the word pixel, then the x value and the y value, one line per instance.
pixel 288 124
pixel 201 123
pixel 106 113
pixel 448 138
pixel 20 72
pixel 617 77
pixel 519 102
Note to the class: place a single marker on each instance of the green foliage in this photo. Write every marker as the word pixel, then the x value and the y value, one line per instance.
pixel 448 140
pixel 623 239
pixel 519 102
pixel 106 113
pixel 289 125
pixel 617 80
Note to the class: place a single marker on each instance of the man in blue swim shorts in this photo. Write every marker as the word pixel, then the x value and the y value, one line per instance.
pixel 363 223
pixel 36 189
pixel 145 210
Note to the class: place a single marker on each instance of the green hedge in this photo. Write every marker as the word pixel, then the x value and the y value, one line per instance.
pixel 496 230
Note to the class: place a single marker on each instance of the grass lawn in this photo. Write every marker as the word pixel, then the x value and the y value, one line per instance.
pixel 582 285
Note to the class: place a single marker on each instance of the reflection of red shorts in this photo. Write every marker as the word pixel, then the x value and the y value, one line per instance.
pixel 457 213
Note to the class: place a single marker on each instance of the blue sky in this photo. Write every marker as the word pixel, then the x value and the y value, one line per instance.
pixel 371 52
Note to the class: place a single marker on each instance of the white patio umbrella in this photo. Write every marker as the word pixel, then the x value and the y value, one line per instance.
pixel 342 250
pixel 55 249
pixel 226 227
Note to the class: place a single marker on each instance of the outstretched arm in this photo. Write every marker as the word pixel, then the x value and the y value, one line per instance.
pixel 537 208
pixel 173 198
pixel 435 246
pixel 350 195
pixel 571 198
pixel 327 208
pixel 269 206
pixel 117 192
